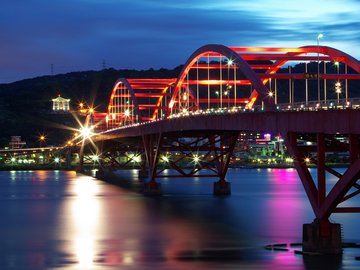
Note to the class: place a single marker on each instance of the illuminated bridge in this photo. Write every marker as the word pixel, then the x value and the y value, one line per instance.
pixel 191 124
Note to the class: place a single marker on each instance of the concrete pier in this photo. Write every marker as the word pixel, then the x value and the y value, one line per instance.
pixel 322 237
pixel 152 188
pixel 222 188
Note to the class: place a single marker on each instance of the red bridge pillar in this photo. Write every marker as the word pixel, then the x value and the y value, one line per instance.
pixel 152 150
pixel 227 145
pixel 320 236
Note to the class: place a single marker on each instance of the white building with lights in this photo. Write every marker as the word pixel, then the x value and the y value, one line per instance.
pixel 61 104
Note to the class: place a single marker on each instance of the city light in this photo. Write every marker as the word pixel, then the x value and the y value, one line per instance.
pixel 95 158
pixel 136 158
pixel 338 87
pixel 85 132
pixel 196 159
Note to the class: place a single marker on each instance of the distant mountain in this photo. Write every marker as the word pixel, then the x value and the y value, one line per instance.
pixel 26 106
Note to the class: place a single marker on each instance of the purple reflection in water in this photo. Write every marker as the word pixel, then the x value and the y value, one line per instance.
pixel 66 221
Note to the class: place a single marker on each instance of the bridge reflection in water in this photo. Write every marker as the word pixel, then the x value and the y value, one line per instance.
pixel 76 222
pixel 223 91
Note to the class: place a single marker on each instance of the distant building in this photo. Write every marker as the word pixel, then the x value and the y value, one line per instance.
pixel 16 142
pixel 61 104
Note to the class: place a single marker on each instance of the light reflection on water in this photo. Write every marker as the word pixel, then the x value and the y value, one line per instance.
pixel 60 220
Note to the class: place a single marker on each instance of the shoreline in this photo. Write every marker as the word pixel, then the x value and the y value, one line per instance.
pixel 232 166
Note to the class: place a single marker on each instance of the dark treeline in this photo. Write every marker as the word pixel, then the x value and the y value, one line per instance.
pixel 26 106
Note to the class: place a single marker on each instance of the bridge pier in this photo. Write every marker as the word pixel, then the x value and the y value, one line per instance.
pixel 322 236
pixel 222 187
pixel 152 188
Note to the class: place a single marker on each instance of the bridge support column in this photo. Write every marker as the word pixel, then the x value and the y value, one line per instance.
pixel 68 159
pixel 152 188
pixel 227 145
pixel 322 237
pixel 80 168
pixel 143 171
pixel 152 151
pixel 100 173
pixel 222 187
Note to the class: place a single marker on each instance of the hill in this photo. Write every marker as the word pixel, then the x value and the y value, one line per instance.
pixel 26 107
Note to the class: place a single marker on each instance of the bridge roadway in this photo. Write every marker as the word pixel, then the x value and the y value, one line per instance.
pixel 346 121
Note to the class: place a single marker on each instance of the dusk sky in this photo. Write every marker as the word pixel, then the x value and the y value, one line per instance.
pixel 77 35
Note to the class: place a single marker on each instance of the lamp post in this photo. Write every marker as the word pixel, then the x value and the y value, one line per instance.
pixel 337 66
pixel 318 64
pixel 42 139
pixel 337 84
pixel 338 90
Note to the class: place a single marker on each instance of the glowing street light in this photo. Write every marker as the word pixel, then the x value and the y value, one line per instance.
pixel 86 132
pixel 337 64
pixel 318 63
pixel 42 139
pixel 196 159
pixel 136 158
pixel 338 90
pixel 165 159
pixel 95 158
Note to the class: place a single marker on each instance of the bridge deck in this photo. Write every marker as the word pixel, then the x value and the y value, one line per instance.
pixel 327 121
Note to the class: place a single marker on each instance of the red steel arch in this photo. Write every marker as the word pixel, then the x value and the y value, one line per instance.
pixel 137 100
pixel 123 106
pixel 259 88
pixel 258 65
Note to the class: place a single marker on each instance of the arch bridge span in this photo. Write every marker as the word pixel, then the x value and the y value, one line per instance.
pixel 191 124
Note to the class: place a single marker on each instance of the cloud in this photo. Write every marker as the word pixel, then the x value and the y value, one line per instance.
pixel 78 34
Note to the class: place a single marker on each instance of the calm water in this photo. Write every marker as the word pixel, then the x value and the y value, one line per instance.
pixel 61 220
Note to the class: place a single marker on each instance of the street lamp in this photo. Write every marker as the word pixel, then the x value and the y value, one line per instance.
pixel 338 90
pixel 337 66
pixel 318 64
pixel 42 139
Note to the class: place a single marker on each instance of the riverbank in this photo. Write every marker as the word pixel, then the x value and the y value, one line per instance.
pixel 24 167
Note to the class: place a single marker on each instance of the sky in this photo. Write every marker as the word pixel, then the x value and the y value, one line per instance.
pixel 42 37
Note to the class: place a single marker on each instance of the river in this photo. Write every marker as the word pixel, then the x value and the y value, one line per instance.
pixel 64 220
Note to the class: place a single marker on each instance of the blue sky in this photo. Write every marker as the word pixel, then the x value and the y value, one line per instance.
pixel 77 35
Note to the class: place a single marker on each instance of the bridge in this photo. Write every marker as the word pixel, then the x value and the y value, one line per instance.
pixel 191 124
